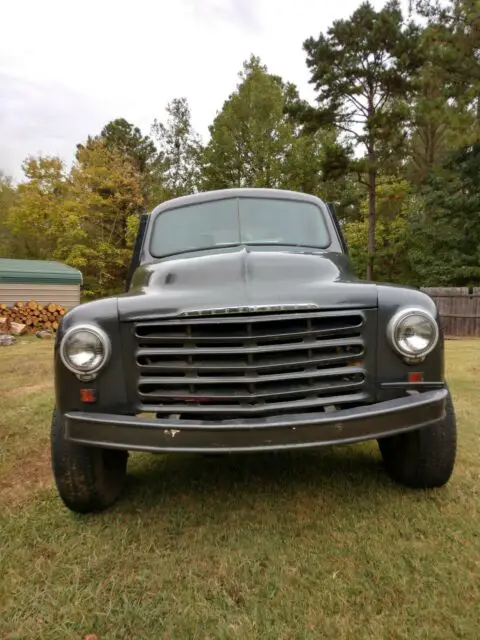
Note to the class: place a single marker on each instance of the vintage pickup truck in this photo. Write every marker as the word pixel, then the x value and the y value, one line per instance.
pixel 244 329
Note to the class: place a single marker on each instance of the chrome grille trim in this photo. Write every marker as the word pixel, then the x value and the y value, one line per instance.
pixel 247 365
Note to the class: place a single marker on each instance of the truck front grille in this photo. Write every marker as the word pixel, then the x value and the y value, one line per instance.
pixel 252 365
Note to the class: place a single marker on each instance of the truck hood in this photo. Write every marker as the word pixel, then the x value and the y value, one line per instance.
pixel 244 276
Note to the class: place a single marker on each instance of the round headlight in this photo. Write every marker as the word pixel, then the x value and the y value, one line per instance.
pixel 413 333
pixel 85 349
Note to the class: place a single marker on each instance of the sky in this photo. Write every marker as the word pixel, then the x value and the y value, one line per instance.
pixel 68 68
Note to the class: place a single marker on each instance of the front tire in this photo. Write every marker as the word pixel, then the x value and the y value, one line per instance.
pixel 425 458
pixel 87 478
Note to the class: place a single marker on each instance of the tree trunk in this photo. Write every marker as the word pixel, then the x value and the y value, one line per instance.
pixel 372 218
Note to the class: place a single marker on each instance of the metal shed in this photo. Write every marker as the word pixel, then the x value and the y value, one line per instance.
pixel 40 280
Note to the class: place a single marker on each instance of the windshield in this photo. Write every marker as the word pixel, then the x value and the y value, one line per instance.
pixel 237 221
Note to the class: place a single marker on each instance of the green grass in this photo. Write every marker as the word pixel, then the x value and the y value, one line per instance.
pixel 319 545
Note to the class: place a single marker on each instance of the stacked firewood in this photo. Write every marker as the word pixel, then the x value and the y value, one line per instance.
pixel 26 317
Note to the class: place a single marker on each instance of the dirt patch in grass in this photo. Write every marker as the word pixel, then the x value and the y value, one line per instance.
pixel 25 478
pixel 31 388
pixel 26 399
pixel 25 364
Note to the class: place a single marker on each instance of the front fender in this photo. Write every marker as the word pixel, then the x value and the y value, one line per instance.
pixel 110 384
pixel 390 366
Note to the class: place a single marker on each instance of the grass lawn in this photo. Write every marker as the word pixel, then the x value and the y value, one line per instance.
pixel 319 545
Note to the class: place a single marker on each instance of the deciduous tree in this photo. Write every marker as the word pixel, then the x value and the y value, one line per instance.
pixel 7 200
pixel 178 169
pixel 35 220
pixel 123 137
pixel 252 141
pixel 396 206
pixel 104 200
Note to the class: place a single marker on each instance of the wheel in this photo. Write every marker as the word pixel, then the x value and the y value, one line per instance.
pixel 424 458
pixel 87 478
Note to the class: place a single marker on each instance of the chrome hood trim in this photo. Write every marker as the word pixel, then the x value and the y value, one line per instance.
pixel 256 308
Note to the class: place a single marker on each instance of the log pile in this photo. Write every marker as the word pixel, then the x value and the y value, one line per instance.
pixel 29 317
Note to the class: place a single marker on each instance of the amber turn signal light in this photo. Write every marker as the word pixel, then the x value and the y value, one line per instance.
pixel 415 376
pixel 88 396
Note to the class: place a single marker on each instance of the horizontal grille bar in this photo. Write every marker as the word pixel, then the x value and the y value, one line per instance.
pixel 289 328
pixel 222 410
pixel 294 362
pixel 235 395
pixel 258 339
pixel 249 379
pixel 274 348
pixel 355 318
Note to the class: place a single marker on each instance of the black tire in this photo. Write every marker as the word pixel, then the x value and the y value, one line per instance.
pixel 424 458
pixel 87 478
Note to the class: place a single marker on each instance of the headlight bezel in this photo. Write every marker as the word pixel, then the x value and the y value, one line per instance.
pixel 100 334
pixel 400 317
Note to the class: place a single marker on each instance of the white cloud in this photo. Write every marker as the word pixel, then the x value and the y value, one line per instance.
pixel 67 68
pixel 42 118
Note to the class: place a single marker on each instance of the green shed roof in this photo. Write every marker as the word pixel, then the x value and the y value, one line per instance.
pixel 38 272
